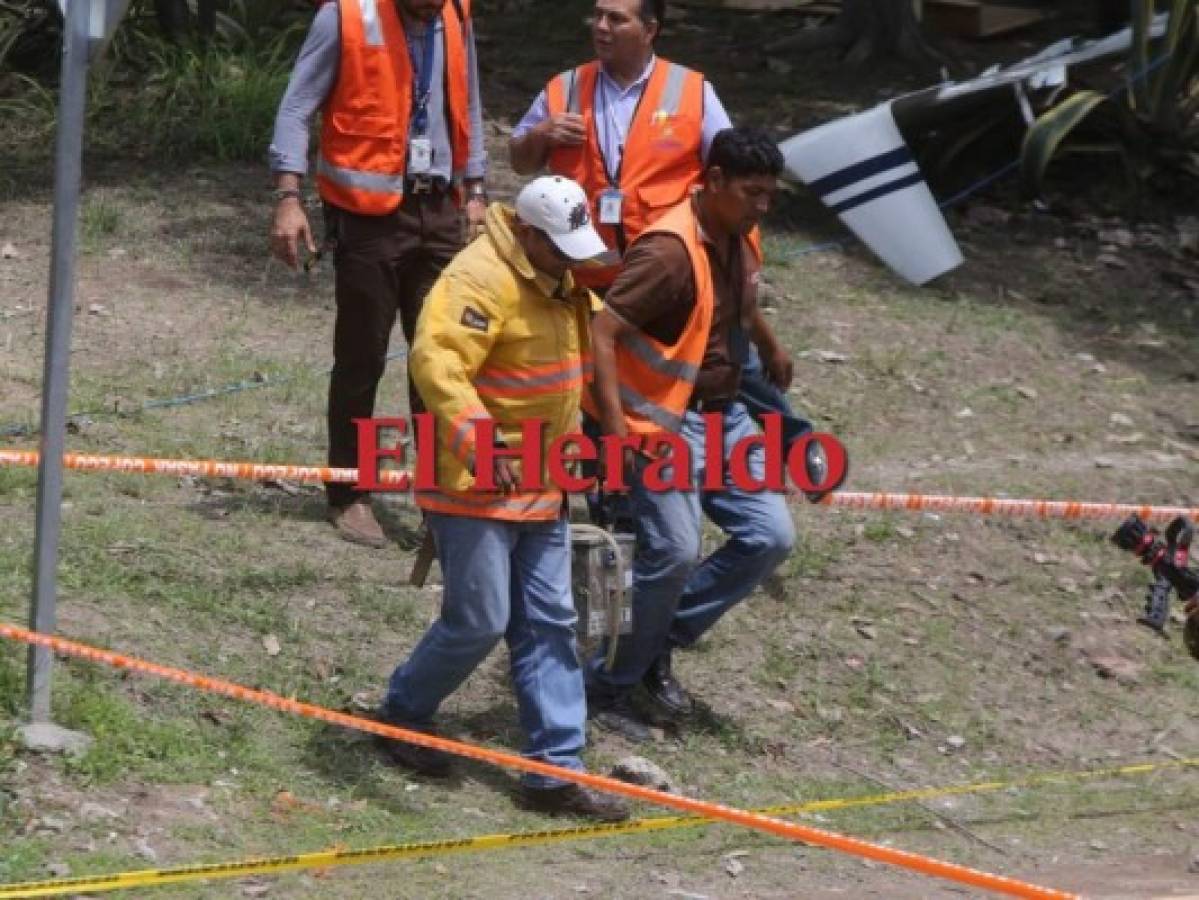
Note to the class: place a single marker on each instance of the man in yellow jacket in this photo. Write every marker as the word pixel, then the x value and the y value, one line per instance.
pixel 503 341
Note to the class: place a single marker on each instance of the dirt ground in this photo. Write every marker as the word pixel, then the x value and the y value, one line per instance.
pixel 892 651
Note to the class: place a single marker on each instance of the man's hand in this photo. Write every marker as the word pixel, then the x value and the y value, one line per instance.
pixel 476 213
pixel 506 476
pixel 780 368
pixel 289 228
pixel 564 130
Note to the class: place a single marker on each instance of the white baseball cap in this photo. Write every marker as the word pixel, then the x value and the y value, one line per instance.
pixel 558 207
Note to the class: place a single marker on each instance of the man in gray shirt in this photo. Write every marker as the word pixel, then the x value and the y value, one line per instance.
pixel 401 153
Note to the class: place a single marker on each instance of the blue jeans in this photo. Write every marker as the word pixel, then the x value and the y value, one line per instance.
pixel 676 598
pixel 509 580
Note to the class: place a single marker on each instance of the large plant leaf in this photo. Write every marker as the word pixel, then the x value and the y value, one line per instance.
pixel 1171 82
pixel 1046 134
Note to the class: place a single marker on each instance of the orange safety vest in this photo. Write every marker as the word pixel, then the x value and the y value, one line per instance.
pixel 365 121
pixel 662 153
pixel 656 379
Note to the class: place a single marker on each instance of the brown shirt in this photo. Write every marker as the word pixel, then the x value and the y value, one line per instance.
pixel 655 292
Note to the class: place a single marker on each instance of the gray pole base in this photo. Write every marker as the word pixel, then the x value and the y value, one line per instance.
pixel 46 737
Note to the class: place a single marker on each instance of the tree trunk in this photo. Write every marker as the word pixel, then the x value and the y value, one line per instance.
pixel 865 30
pixel 174 21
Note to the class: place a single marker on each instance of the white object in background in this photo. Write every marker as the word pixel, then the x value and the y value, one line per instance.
pixel 862 169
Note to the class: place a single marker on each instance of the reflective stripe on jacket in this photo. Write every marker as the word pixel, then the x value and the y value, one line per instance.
pixel 499 340
pixel 662 151
pixel 365 121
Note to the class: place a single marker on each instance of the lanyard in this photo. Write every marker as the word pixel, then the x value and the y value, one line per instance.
pixel 420 100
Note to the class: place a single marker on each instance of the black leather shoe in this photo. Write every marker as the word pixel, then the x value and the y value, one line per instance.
pixel 421 760
pixel 665 691
pixel 575 800
pixel 617 715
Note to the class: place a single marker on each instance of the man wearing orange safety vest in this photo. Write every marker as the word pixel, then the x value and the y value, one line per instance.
pixel 503 343
pixel 633 129
pixel 669 347
pixel 401 154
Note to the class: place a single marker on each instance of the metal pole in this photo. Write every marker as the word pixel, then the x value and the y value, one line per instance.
pixel 56 369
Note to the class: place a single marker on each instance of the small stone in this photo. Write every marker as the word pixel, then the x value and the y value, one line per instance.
pixel 964 413
pixel 58 869
pixel 1097 845
pixel 45 737
pixel 783 706
pixel 831 356
pixel 94 812
pixel 143 849
pixel 52 823
pixel 732 864
pixel 1120 237
pixel 270 643
pixel 8 251
pixel 639 770
pixel 866 630
pixel 1120 419
pixel 1193 865
pixel 1102 462
pixel 1123 671
pixel 1058 635
pixel 955 742
pixel 1026 392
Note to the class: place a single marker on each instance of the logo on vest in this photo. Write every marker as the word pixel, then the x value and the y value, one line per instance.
pixel 663 122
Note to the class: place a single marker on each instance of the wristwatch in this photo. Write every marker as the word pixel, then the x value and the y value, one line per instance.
pixel 284 193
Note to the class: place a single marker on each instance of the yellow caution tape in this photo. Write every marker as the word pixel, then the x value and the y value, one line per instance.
pixel 344 857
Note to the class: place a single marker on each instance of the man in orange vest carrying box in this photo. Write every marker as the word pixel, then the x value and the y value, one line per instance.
pixel 669 347
pixel 401 153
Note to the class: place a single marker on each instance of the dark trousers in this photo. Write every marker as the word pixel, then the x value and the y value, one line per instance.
pixel 385 265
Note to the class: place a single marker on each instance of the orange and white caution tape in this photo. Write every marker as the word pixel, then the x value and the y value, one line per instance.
pixel 1003 506
pixel 923 865
pixel 986 506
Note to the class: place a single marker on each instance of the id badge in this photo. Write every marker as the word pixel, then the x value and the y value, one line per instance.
pixel 611 204
pixel 420 156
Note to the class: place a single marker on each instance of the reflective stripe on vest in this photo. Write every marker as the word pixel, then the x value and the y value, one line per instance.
pixel 636 343
pixel 370 23
pixel 364 181
pixel 663 418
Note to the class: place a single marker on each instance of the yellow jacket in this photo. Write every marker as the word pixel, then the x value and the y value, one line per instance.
pixel 498 339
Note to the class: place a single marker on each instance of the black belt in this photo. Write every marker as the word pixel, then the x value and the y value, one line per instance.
pixel 710 404
pixel 425 184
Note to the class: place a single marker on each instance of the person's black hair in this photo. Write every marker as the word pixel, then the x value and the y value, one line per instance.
pixel 745 151
pixel 654 9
